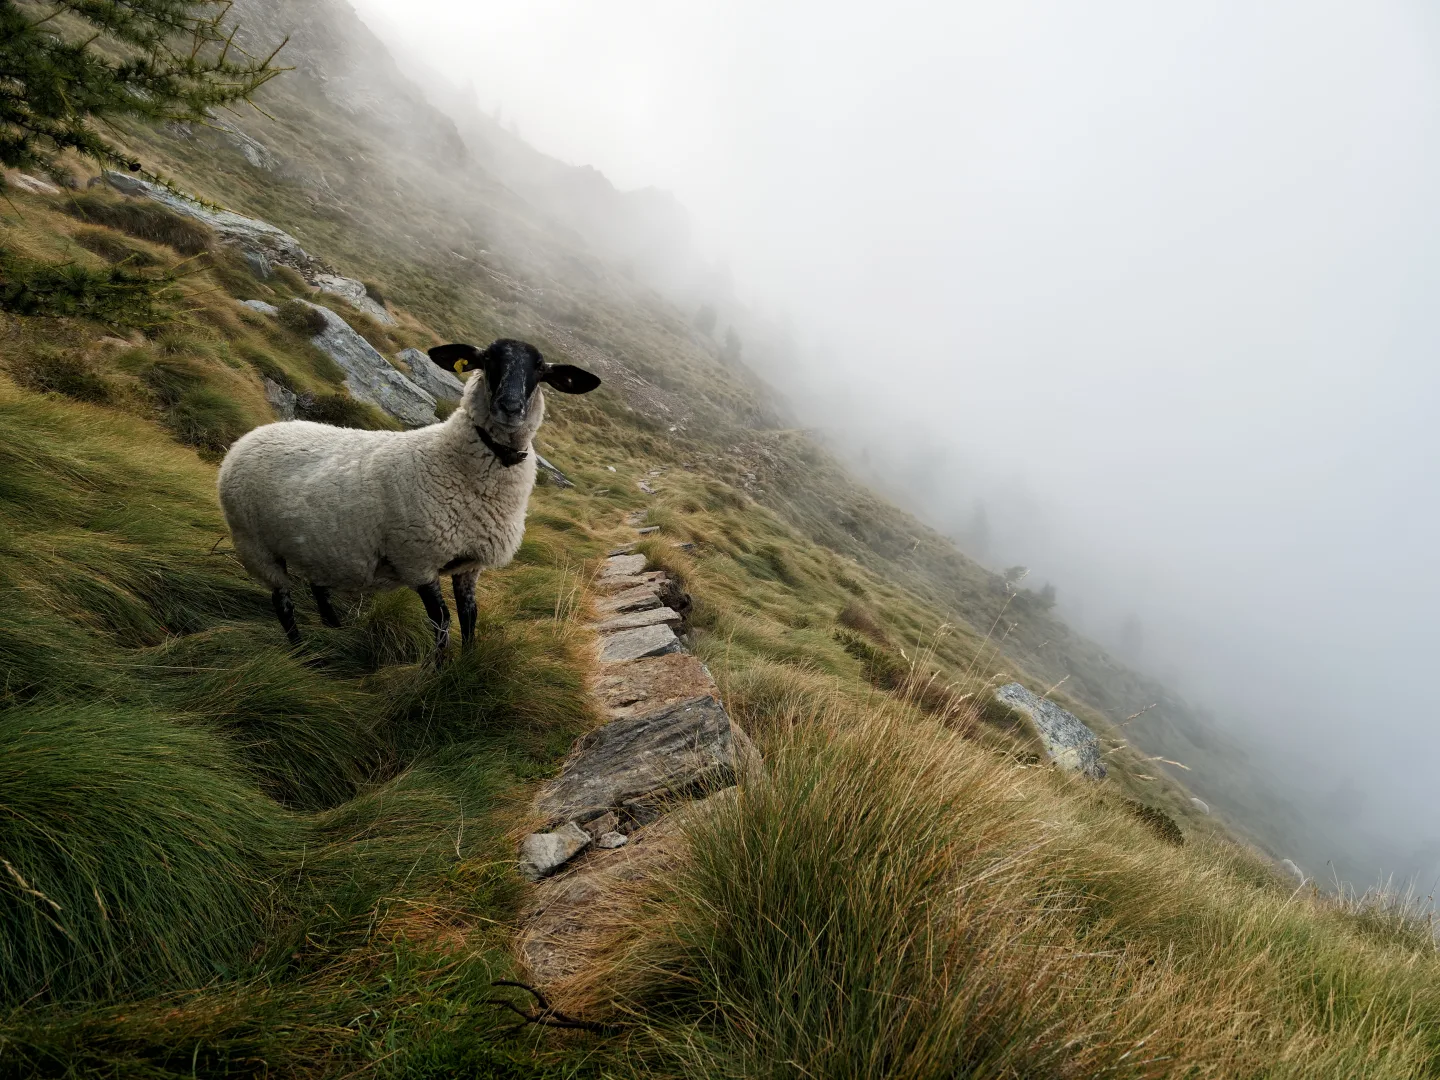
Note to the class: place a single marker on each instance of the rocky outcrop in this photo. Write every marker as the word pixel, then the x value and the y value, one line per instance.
pixel 250 235
pixel 262 244
pixel 282 400
pixel 32 184
pixel 669 749
pixel 355 294
pixel 1067 740
pixel 369 376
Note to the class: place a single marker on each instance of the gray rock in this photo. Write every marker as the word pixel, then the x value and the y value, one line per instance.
pixel 645 487
pixel 369 376
pixel 651 578
pixel 556 476
pixel 622 566
pixel 256 153
pixel 261 306
pixel 605 823
pixel 33 184
pixel 259 265
pixel 1200 804
pixel 639 598
pixel 440 384
pixel 353 293
pixel 640 642
pixel 1067 740
pixel 634 764
pixel 611 840
pixel 648 530
pixel 541 854
pixel 629 620
pixel 247 234
pixel 623 549
pixel 281 400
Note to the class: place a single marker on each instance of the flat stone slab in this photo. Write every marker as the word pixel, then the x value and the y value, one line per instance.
pixel 629 581
pixel 682 751
pixel 1067 740
pixel 622 566
pixel 643 641
pixel 631 619
pixel 654 683
pixel 541 854
pixel 638 598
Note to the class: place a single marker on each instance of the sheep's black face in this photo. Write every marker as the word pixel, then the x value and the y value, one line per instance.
pixel 513 370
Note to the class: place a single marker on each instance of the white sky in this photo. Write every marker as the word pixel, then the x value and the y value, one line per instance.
pixel 1168 272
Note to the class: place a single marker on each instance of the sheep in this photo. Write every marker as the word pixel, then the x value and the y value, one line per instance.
pixel 374 510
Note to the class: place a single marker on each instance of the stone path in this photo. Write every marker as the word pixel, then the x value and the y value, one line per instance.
pixel 611 816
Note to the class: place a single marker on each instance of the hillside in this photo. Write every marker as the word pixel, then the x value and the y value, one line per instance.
pixel 222 857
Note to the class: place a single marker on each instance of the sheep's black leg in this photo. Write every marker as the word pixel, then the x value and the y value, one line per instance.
pixel 284 606
pixel 323 605
pixel 464 586
pixel 439 615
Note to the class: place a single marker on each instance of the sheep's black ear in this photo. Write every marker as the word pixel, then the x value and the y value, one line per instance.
pixel 456 358
pixel 569 379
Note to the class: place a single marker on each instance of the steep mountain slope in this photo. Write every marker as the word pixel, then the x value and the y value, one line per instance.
pixel 303 865
pixel 537 247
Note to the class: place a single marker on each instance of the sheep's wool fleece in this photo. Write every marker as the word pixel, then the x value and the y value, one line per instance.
pixel 373 509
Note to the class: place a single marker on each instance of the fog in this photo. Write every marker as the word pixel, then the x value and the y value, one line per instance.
pixel 1155 287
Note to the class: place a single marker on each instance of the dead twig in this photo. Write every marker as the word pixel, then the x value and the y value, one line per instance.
pixel 548 1016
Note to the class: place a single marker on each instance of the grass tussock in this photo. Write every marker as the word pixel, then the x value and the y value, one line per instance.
pixel 932 911
pixel 133 856
pixel 143 219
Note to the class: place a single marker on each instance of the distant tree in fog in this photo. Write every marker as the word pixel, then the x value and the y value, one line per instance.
pixel 705 320
pixel 731 352
pixel 977 536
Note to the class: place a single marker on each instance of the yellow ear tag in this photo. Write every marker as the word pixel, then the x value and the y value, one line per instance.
pixel 460 367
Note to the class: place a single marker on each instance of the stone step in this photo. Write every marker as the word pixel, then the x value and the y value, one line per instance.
pixel 629 581
pixel 629 620
pixel 634 644
pixel 633 765
pixel 622 566
pixel 653 683
pixel 639 598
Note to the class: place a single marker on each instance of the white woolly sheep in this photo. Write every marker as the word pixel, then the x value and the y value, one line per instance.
pixel 369 510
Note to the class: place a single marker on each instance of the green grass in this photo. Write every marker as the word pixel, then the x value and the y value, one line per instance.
pixel 248 846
